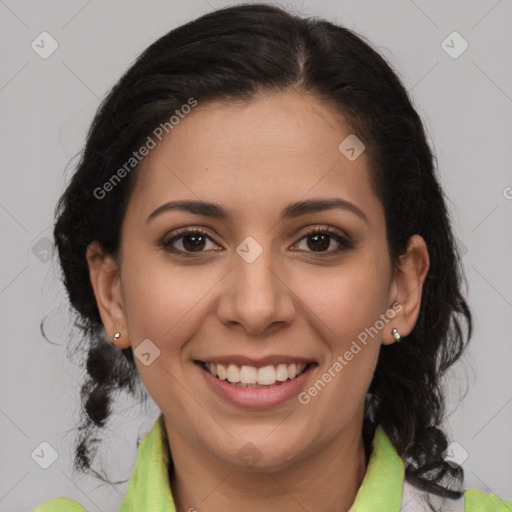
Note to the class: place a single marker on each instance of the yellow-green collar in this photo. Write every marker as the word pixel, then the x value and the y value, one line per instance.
pixel 149 487
pixel 382 484
pixel 381 490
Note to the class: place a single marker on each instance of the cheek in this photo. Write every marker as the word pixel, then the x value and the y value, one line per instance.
pixel 161 300
pixel 345 302
pixel 163 304
pixel 345 308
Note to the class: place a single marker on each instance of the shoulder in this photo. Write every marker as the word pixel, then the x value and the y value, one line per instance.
pixel 60 505
pixel 473 500
pixel 477 501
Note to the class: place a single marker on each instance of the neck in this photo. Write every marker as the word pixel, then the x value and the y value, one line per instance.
pixel 326 480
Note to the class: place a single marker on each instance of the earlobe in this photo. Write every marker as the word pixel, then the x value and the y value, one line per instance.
pixel 105 281
pixel 407 289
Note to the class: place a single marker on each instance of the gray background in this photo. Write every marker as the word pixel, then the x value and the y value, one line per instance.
pixel 47 105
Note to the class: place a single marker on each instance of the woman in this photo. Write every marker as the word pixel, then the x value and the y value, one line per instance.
pixel 257 227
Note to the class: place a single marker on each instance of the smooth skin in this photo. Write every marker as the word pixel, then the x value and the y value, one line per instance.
pixel 302 296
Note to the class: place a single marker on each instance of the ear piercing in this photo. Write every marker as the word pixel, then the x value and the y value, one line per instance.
pixel 396 335
pixel 117 335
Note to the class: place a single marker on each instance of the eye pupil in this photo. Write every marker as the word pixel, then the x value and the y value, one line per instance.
pixel 199 239
pixel 325 241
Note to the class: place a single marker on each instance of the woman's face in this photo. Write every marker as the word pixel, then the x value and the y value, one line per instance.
pixel 258 287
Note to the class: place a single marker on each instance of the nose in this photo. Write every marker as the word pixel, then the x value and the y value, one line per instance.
pixel 255 297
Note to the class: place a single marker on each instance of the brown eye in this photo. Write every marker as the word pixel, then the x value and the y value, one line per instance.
pixel 188 242
pixel 194 242
pixel 319 241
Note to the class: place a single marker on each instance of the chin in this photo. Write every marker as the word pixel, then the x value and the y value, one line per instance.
pixel 257 454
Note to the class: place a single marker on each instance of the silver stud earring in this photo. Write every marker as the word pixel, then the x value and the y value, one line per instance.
pixel 396 335
pixel 117 335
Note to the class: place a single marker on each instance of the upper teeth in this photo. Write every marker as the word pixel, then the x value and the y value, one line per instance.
pixel 252 375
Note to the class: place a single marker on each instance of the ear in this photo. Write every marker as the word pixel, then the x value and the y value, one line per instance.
pixel 106 283
pixel 407 287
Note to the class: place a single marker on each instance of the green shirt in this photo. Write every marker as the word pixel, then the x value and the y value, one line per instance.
pixel 383 488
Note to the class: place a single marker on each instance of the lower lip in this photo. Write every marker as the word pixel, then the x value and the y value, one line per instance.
pixel 257 397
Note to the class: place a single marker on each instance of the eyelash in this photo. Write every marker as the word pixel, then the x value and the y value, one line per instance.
pixel 166 244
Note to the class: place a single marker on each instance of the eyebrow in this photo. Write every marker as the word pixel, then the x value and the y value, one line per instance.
pixel 291 211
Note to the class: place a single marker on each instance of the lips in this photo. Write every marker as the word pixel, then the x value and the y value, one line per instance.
pixel 257 395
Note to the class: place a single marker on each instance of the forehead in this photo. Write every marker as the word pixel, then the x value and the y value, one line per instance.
pixel 254 157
